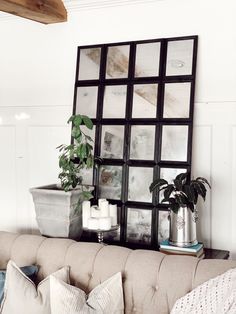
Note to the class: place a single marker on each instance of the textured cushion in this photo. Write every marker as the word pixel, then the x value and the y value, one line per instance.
pixel 217 295
pixel 106 298
pixel 22 297
pixel 29 271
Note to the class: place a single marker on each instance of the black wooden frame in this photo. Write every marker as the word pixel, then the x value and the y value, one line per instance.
pixel 159 121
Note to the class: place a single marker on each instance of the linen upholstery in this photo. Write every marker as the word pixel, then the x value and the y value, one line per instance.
pixel 152 281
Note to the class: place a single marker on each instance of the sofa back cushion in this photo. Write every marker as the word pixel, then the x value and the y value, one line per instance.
pixel 152 281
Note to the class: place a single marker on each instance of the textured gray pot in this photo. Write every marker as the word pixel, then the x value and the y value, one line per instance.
pixel 183 228
pixel 56 212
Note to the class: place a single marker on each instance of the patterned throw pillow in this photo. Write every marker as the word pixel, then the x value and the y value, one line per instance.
pixel 29 271
pixel 21 296
pixel 217 295
pixel 106 298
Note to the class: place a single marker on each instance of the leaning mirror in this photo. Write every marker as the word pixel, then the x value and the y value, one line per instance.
pixel 140 96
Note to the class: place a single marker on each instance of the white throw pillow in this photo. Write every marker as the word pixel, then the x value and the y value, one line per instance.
pixel 21 295
pixel 217 295
pixel 106 298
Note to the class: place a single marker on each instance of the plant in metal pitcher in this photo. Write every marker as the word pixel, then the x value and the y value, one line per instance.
pixel 181 192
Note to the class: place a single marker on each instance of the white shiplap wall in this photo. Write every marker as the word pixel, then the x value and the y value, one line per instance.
pixel 37 68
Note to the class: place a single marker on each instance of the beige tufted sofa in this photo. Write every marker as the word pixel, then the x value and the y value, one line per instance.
pixel 152 281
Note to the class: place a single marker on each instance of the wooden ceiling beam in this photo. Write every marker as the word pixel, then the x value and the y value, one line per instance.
pixel 42 11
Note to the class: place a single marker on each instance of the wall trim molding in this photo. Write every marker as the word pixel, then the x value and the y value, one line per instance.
pixel 78 5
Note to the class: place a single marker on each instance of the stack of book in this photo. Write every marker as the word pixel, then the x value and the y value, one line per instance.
pixel 194 250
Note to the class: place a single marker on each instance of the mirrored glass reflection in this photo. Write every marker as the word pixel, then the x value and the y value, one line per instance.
pixel 114 104
pixel 112 141
pixel 139 223
pixel 142 142
pixel 140 179
pixel 177 100
pixel 145 101
pixel 89 64
pixel 117 61
pixel 147 59
pixel 86 103
pixel 174 142
pixel 110 179
pixel 179 57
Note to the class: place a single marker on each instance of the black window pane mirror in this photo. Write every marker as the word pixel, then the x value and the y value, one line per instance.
pixel 140 96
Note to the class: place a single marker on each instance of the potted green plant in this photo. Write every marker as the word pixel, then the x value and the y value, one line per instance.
pixel 59 207
pixel 182 196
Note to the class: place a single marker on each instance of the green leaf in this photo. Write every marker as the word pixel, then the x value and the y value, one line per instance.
pixel 157 184
pixel 182 176
pixel 71 119
pixel 77 121
pixel 88 122
pixel 199 188
pixel 203 180
pixel 87 195
pixel 170 188
pixel 189 191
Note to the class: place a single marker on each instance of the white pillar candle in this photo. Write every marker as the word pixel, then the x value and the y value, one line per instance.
pixel 100 200
pixel 104 207
pixel 105 223
pixel 95 212
pixel 93 223
pixel 113 214
pixel 86 213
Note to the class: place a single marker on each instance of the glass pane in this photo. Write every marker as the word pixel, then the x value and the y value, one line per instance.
pixel 179 57
pixel 117 62
pixel 86 103
pixel 113 235
pixel 164 226
pixel 142 142
pixel 147 60
pixel 174 142
pixel 114 101
pixel 110 180
pixel 89 63
pixel 139 182
pixel 112 141
pixel 145 101
pixel 169 175
pixel 177 100
pixel 139 226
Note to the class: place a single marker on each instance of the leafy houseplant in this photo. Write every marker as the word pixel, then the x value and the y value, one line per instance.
pixel 76 156
pixel 182 196
pixel 180 192
pixel 58 209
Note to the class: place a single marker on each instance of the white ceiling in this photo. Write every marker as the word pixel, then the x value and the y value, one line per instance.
pixel 72 5
pixel 77 5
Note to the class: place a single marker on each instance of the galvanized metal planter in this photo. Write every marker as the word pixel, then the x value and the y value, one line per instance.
pixel 183 227
pixel 57 214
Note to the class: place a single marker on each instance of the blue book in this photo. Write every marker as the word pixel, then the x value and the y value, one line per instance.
pixel 167 246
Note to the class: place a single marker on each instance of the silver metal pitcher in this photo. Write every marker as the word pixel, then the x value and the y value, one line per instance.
pixel 183 227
